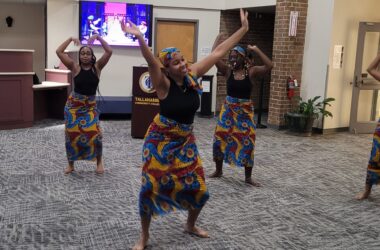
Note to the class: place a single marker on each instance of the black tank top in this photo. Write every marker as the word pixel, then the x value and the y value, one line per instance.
pixel 181 104
pixel 86 82
pixel 239 88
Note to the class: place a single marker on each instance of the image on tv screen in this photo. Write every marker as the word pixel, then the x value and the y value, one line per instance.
pixel 103 18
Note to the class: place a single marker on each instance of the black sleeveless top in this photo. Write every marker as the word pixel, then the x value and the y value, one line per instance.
pixel 86 82
pixel 180 104
pixel 239 88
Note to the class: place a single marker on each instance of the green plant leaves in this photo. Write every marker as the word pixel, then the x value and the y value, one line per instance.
pixel 313 108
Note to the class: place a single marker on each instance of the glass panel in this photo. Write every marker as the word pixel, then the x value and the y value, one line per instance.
pixel 369 105
pixel 371 49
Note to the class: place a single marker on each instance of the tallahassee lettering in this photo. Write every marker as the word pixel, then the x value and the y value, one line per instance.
pixel 147 101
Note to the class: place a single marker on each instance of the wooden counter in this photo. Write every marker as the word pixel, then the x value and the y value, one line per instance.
pixel 16 88
pixel 21 102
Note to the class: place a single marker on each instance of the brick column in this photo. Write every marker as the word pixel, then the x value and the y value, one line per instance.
pixel 287 57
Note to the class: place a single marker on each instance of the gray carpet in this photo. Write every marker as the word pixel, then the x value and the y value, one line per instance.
pixel 306 201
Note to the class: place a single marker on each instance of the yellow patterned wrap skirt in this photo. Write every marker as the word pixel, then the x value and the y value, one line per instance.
pixel 172 172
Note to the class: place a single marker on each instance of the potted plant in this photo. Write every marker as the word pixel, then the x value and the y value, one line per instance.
pixel 302 118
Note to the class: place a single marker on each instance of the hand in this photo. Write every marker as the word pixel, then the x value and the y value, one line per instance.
pixel 76 41
pixel 244 19
pixel 92 39
pixel 252 47
pixel 131 28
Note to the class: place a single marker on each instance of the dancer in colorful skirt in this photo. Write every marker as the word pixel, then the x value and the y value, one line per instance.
pixel 373 169
pixel 82 131
pixel 172 172
pixel 234 138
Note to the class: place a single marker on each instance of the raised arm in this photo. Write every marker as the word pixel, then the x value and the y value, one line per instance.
pixel 65 59
pixel 107 51
pixel 372 68
pixel 159 81
pixel 220 64
pixel 201 67
pixel 259 70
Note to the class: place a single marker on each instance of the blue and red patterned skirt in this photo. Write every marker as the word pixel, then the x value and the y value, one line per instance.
pixel 235 133
pixel 82 131
pixel 373 170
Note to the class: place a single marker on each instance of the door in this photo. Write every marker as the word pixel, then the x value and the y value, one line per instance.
pixel 365 107
pixel 177 33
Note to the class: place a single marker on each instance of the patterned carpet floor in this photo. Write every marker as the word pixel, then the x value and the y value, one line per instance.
pixel 306 201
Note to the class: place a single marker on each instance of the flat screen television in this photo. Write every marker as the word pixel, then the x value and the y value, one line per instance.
pixel 104 18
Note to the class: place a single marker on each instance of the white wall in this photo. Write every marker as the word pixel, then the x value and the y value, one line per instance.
pixel 316 50
pixel 248 3
pixel 201 4
pixel 347 15
pixel 194 4
pixel 27 31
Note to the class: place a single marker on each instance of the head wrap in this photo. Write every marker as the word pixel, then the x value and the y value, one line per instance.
pixel 167 54
pixel 240 50
pixel 190 80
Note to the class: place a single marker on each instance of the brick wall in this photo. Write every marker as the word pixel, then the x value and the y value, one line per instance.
pixel 260 33
pixel 287 57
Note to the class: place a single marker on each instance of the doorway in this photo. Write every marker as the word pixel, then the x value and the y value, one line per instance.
pixel 181 34
pixel 365 107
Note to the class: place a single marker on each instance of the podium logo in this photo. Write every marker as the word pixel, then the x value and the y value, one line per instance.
pixel 146 84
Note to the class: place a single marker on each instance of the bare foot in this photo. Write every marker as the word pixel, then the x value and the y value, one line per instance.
pixel 69 170
pixel 216 174
pixel 141 244
pixel 363 195
pixel 199 232
pixel 253 183
pixel 99 168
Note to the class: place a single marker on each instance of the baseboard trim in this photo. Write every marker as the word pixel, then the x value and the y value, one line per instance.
pixel 114 104
pixel 277 127
pixel 330 130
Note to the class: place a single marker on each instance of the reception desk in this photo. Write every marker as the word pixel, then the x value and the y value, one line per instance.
pixel 49 99
pixel 21 102
pixel 16 88
pixel 50 96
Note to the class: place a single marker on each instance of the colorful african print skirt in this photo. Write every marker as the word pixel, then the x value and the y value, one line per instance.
pixel 82 131
pixel 235 133
pixel 172 173
pixel 373 170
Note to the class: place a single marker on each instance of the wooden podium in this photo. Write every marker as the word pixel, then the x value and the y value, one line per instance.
pixel 145 104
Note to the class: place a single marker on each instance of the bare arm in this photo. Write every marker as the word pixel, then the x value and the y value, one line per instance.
pixel 201 67
pixel 372 68
pixel 220 64
pixel 260 70
pixel 159 81
pixel 107 52
pixel 65 59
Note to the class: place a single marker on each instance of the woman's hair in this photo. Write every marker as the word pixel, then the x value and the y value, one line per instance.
pixel 93 58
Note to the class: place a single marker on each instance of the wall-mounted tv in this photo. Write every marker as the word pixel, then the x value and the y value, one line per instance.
pixel 104 18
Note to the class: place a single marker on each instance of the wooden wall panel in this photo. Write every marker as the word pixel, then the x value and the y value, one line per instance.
pixel 177 34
